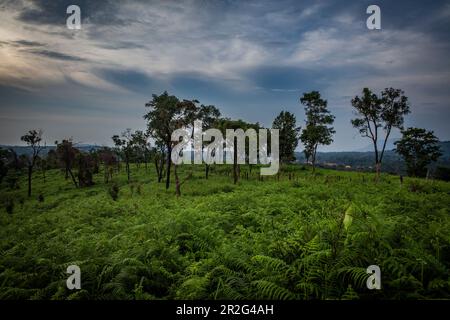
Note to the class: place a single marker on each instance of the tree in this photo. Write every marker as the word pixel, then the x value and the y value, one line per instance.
pixel 66 154
pixel 4 159
pixel 418 148
pixel 125 148
pixel 159 156
pixel 209 115
pixel 317 131
pixel 167 114
pixel 374 113
pixel 223 124
pixel 142 146
pixel 289 135
pixel 33 139
pixel 86 166
pixel 109 159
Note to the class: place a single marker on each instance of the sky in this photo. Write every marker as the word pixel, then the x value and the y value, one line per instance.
pixel 251 59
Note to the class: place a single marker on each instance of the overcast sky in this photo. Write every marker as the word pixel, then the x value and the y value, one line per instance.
pixel 251 59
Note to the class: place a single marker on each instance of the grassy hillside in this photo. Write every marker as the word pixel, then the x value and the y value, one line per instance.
pixel 299 238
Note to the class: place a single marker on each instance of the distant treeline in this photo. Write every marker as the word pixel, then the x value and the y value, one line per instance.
pixel 393 162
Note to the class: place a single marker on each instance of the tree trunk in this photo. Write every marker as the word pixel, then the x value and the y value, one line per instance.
pixel 73 178
pixel 177 181
pixel 30 173
pixel 161 168
pixel 235 168
pixel 43 173
pixel 378 170
pixel 169 152
pixel 127 167
pixel 314 159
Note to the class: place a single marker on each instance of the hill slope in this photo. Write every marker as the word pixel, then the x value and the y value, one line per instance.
pixel 296 236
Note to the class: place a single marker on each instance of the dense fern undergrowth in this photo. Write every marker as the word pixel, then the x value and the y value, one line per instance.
pixel 303 237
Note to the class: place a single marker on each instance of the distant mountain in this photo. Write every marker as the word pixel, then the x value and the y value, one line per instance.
pixel 389 145
pixel 355 160
pixel 20 150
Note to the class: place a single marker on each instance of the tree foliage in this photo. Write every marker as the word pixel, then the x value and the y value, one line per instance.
pixel 33 139
pixel 377 115
pixel 419 148
pixel 317 131
pixel 289 135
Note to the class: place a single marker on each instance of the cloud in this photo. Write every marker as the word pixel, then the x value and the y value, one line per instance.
pixel 250 58
pixel 51 12
pixel 132 80
pixel 55 55
pixel 26 43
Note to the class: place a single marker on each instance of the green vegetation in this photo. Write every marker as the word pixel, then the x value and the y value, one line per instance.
pixel 292 236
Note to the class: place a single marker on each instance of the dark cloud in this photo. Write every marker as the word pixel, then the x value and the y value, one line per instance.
pixel 21 43
pixel 285 78
pixel 250 58
pixel 55 55
pixel 53 12
pixel 132 80
pixel 26 43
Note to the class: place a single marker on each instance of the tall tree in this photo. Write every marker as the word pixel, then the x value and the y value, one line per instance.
pixel 223 124
pixel 419 148
pixel 167 114
pixel 289 135
pixel 86 167
pixel 109 159
pixel 159 156
pixel 209 115
pixel 375 114
pixel 33 139
pixel 125 147
pixel 141 146
pixel 4 156
pixel 318 119
pixel 66 154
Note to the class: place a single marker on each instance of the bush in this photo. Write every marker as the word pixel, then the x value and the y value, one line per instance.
pixel 12 180
pixel 418 187
pixel 442 173
pixel 9 205
pixel 139 189
pixel 114 191
pixel 296 184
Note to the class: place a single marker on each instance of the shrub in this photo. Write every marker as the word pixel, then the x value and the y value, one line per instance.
pixel 114 191
pixel 9 205
pixel 296 184
pixel 132 188
pixel 139 189
pixel 227 188
pixel 12 180
pixel 442 173
pixel 415 186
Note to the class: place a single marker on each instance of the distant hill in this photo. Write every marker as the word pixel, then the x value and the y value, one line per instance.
pixel 389 146
pixel 355 160
pixel 20 150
